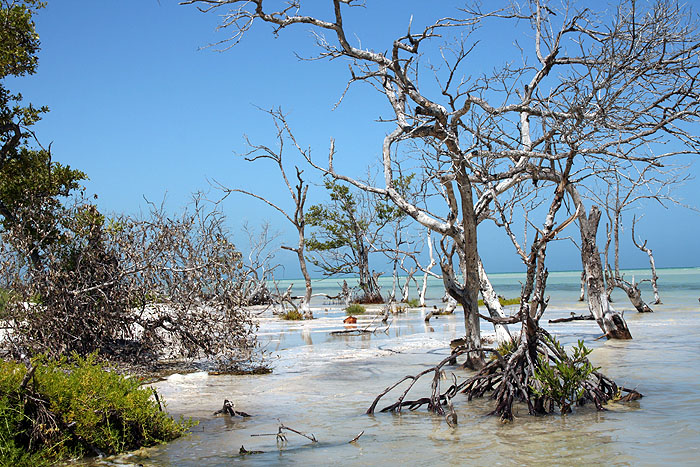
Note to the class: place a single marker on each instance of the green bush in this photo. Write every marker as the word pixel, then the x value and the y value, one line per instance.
pixel 355 309
pixel 76 408
pixel 292 315
pixel 413 303
pixel 562 382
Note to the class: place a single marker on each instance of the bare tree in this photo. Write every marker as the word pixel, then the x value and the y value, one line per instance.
pixel 518 371
pixel 652 264
pixel 592 87
pixel 297 192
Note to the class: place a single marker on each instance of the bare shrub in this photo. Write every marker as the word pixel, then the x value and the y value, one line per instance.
pixel 132 289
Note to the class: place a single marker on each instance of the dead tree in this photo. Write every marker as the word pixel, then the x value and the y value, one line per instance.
pixel 626 187
pixel 611 322
pixel 652 264
pixel 595 87
pixel 427 270
pixel 297 192
pixel 515 372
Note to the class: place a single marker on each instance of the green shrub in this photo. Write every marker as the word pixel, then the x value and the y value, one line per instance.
pixel 292 315
pixel 355 309
pixel 413 303
pixel 562 382
pixel 76 408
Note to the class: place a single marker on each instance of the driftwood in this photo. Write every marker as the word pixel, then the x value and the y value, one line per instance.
pixel 573 317
pixel 243 451
pixel 437 312
pixel 228 409
pixel 282 438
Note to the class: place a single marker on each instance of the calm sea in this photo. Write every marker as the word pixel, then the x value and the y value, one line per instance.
pixel 322 384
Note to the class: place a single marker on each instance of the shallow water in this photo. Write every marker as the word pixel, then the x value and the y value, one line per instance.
pixel 322 384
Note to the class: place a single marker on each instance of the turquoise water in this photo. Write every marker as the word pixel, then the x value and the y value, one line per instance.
pixel 322 384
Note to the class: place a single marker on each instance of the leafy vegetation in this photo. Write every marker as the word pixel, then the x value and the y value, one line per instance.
pixel 412 303
pixel 131 289
pixel 292 315
pixel 70 408
pixel 355 309
pixel 561 383
pixel 503 301
pixel 343 232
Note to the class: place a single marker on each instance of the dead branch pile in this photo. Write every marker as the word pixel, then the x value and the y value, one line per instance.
pixel 132 290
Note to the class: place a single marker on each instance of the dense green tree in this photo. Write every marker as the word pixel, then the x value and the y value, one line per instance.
pixel 345 231
pixel 31 183
pixel 19 45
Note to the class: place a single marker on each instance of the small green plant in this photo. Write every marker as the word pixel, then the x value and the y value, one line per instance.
pixel 75 408
pixel 506 348
pixel 292 315
pixel 412 303
pixel 503 301
pixel 355 309
pixel 562 383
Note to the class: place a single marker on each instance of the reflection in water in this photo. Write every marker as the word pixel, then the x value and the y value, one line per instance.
pixel 322 384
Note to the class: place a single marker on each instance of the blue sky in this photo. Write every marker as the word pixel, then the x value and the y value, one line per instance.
pixel 144 110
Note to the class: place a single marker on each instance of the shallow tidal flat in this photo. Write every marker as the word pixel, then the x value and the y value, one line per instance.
pixel 323 383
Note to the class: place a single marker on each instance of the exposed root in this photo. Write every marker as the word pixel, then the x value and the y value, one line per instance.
pixel 508 379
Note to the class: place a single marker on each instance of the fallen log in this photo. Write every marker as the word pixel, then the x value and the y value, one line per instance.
pixel 573 317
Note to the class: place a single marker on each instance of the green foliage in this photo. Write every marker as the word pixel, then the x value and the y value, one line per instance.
pixel 292 315
pixel 75 408
pixel 344 230
pixel 30 187
pixel 19 45
pixel 413 303
pixel 562 382
pixel 506 348
pixel 30 182
pixel 503 301
pixel 355 309
pixel 20 42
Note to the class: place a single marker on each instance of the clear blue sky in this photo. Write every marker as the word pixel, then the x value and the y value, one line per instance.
pixel 144 111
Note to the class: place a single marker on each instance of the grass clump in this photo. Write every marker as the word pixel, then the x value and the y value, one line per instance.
pixel 503 301
pixel 292 315
pixel 75 408
pixel 355 309
pixel 412 303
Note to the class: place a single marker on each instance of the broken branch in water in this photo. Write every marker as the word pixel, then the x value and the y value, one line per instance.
pixel 356 437
pixel 573 317
pixel 228 409
pixel 281 436
pixel 243 451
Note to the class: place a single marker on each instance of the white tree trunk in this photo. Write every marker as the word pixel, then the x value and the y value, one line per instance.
pixel 493 305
